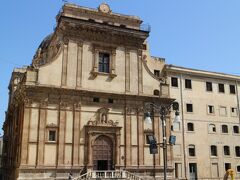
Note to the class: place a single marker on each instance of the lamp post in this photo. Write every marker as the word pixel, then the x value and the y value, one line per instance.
pixel 163 110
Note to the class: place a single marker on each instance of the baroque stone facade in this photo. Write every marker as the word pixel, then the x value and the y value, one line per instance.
pixel 80 105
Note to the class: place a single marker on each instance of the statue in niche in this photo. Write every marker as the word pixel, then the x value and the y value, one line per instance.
pixel 103 119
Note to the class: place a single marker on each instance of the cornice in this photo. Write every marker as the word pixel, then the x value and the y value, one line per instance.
pixel 74 93
pixel 201 73
pixel 102 32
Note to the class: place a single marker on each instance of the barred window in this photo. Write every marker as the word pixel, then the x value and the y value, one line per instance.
pixel 103 63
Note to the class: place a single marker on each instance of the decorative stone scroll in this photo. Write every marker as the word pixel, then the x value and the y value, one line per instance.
pixel 102 119
pixel 51 125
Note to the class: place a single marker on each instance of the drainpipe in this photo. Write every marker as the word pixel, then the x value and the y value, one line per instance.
pixel 183 129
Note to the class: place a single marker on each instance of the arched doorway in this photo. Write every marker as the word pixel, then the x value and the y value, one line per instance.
pixel 103 153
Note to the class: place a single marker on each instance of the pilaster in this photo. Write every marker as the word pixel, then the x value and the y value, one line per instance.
pixel 61 136
pixel 140 76
pixel 76 135
pixel 128 137
pixel 140 140
pixel 79 65
pixel 64 63
pixel 127 70
pixel 41 135
pixel 25 134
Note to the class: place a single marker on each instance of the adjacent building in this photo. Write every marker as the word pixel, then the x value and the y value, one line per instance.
pixel 208 136
pixel 80 106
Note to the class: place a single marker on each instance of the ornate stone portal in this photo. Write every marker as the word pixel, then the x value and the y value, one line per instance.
pixel 102 142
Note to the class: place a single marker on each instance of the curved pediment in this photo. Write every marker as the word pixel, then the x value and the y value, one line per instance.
pixel 48 51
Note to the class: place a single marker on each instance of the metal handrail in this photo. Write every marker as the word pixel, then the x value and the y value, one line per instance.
pixel 108 174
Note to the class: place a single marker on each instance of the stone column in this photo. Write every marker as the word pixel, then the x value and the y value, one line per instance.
pixel 127 70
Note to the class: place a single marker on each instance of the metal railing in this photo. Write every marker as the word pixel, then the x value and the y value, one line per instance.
pixel 108 175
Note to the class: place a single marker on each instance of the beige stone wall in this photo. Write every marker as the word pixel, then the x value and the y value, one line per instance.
pixel 73 66
pixel 201 137
pixel 50 74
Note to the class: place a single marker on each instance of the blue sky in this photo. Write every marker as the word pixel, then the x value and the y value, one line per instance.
pixel 201 34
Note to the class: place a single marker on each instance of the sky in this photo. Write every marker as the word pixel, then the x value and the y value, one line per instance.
pixel 199 34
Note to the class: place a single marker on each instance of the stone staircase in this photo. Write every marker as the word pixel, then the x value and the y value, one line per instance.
pixel 105 175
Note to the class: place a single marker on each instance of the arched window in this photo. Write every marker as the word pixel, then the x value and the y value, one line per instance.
pixel 213 150
pixel 212 128
pixel 224 129
pixel 190 126
pixel 236 129
pixel 156 92
pixel 238 169
pixel 237 151
pixel 226 150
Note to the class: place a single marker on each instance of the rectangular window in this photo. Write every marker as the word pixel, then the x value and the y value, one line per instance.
pixel 210 109
pixel 238 169
pixel 110 100
pixel 237 151
pixel 189 107
pixel 188 84
pixel 221 88
pixel 227 166
pixel 95 99
pixel 191 150
pixel 208 86
pixel 236 129
pixel 234 111
pixel 226 150
pixel 157 73
pixel 174 82
pixel 213 150
pixel 190 126
pixel 103 63
pixel 222 111
pixel 224 128
pixel 232 89
pixel 52 135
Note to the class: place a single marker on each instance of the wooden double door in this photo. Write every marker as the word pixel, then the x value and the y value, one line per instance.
pixel 103 153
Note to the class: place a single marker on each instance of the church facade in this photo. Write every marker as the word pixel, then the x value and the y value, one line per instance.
pixel 80 105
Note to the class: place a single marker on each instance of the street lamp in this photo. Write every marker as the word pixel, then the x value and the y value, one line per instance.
pixel 163 109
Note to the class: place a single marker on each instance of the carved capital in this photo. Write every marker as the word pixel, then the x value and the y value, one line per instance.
pixel 44 102
pixel 65 40
pixel 28 102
